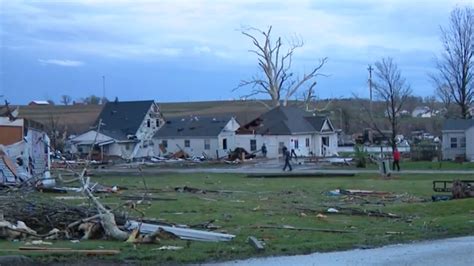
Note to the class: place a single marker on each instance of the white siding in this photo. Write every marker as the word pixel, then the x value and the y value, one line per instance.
pixel 272 143
pixel 451 153
pixel 470 144
pixel 196 147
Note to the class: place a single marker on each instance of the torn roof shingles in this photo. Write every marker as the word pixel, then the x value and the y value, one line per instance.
pixel 192 127
pixel 286 121
pixel 120 119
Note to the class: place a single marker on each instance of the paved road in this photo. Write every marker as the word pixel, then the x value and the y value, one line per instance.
pixel 453 252
pixel 270 167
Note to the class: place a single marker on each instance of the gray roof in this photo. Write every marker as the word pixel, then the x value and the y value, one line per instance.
pixel 120 119
pixel 457 124
pixel 208 126
pixel 286 120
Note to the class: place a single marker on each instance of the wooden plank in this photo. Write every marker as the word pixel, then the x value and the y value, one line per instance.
pixel 257 244
pixel 288 227
pixel 64 251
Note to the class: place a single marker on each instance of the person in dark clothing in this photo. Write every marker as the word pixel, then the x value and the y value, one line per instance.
pixel 264 150
pixel 287 155
pixel 396 160
pixel 293 154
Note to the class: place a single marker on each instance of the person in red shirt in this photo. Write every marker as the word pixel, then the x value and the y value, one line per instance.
pixel 396 159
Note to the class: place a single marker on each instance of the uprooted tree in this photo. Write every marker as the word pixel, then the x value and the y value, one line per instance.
pixel 455 79
pixel 276 78
pixel 393 91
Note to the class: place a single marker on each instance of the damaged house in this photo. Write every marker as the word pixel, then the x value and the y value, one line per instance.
pixel 24 148
pixel 305 132
pixel 126 131
pixel 211 137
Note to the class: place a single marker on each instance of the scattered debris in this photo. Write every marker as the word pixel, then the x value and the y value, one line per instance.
pixel 394 233
pixel 182 233
pixel 257 244
pixel 98 252
pixel 321 216
pixel 289 227
pixel 168 248
pixel 441 197
pixel 146 197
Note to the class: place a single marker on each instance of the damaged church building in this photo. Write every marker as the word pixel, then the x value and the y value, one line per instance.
pixel 24 149
pixel 126 131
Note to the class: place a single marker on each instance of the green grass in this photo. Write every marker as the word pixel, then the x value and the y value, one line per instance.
pixel 281 201
pixel 426 165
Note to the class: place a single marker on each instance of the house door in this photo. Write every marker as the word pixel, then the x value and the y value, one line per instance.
pixel 324 145
pixel 280 147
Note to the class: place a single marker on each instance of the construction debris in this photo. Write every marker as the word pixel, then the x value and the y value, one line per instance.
pixel 182 233
pixel 257 244
pixel 459 189
pixel 289 227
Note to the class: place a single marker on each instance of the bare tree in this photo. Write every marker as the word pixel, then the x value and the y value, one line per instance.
pixel 391 88
pixel 456 64
pixel 66 99
pixel 276 78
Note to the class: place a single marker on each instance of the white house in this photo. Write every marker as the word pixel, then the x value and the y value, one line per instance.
pixel 422 111
pixel 458 139
pixel 212 137
pixel 292 127
pixel 126 131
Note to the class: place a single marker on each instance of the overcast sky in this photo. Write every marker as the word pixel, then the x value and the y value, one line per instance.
pixel 193 50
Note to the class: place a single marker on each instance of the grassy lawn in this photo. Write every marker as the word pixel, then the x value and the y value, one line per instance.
pixel 426 165
pixel 250 202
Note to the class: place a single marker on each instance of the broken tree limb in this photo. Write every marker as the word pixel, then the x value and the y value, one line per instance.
pixel 107 218
pixel 289 227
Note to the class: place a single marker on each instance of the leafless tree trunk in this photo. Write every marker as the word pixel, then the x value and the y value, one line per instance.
pixel 391 88
pixel 278 80
pixel 66 99
pixel 456 65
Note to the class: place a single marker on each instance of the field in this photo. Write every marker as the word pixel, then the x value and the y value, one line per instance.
pixel 240 205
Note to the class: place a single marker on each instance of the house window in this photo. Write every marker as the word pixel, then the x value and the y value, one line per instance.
pixel 148 123
pixel 157 122
pixel 207 144
pixel 454 142
pixel 187 143
pixel 307 142
pixel 296 144
pixel 127 146
pixel 463 142
pixel 253 145
pixel 164 143
pixel 224 144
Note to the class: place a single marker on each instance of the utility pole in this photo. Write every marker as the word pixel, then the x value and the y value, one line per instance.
pixel 103 89
pixel 370 87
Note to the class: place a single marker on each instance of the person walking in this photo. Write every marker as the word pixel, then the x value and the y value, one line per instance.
pixel 264 150
pixel 287 155
pixel 396 160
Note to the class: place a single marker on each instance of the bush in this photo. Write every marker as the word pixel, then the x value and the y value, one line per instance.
pixel 360 156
